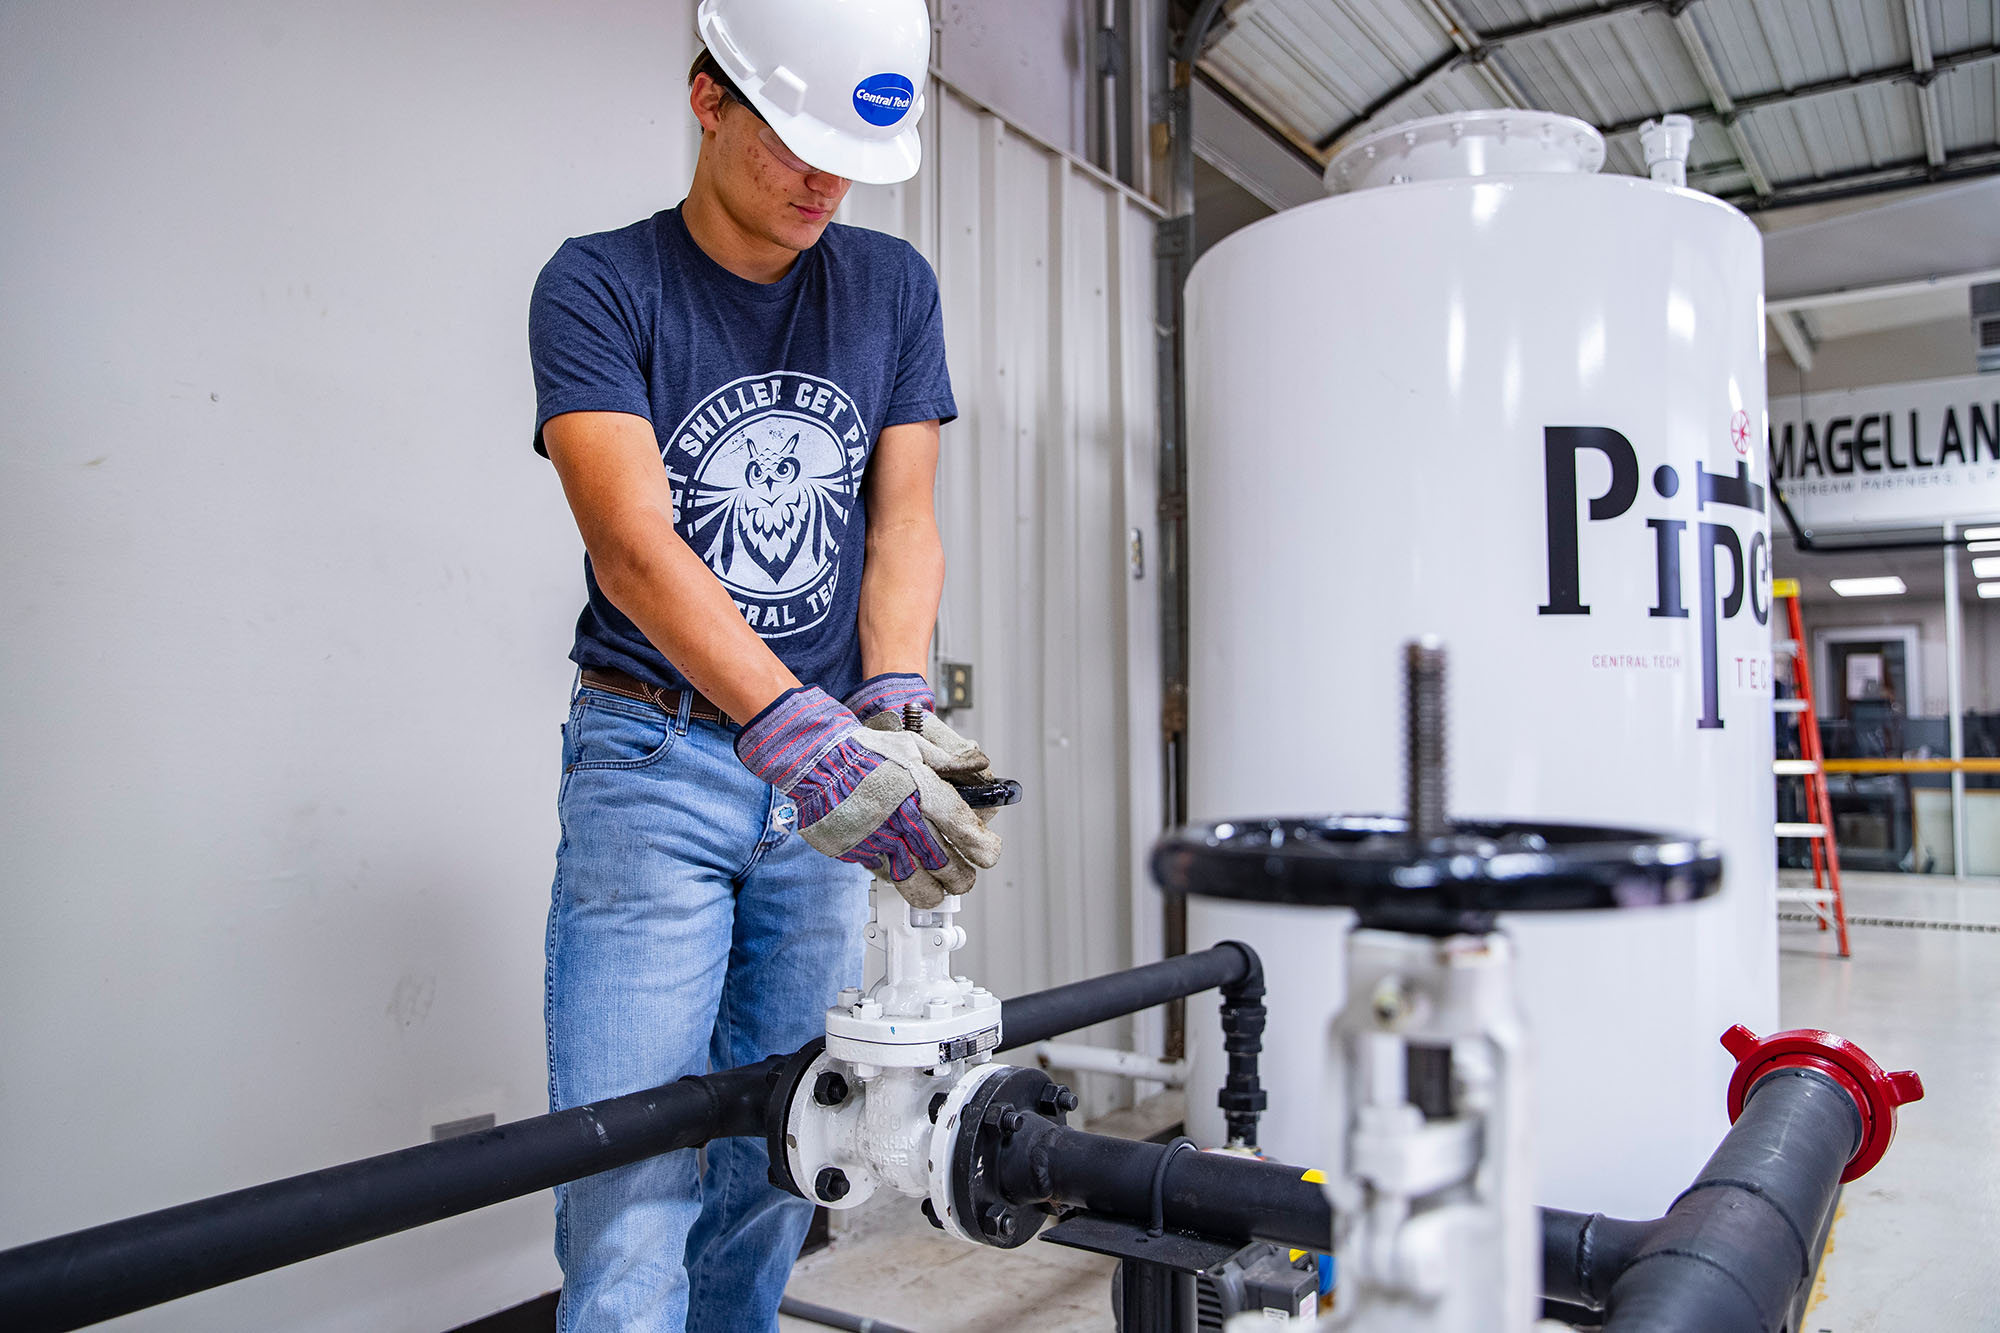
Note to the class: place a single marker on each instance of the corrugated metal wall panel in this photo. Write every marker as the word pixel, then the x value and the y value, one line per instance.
pixel 1048 301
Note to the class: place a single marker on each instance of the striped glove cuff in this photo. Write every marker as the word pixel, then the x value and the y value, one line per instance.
pixel 887 693
pixel 783 743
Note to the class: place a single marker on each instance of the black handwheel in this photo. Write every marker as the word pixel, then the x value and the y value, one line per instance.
pixel 992 794
pixel 1454 882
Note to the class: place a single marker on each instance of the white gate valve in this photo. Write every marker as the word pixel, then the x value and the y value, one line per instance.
pixel 897 1063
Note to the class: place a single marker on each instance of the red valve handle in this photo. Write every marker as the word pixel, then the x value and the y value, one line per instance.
pixel 1876 1093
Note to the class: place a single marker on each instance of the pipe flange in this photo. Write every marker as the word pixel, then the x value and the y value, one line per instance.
pixel 778 1112
pixel 981 1212
pixel 1876 1092
pixel 950 1117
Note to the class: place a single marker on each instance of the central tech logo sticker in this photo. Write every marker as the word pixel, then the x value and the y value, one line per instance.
pixel 765 473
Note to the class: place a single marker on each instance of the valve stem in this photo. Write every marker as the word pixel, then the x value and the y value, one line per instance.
pixel 1423 735
pixel 913 716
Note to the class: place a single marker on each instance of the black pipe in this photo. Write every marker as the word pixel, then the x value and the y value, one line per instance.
pixel 1805 542
pixel 87 1276
pixel 1735 1253
pixel 1222 1195
pixel 1028 1019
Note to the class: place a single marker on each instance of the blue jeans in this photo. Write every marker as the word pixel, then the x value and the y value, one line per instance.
pixel 690 928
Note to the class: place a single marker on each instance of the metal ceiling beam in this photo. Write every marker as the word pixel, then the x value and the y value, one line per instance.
pixel 1475 48
pixel 1874 180
pixel 1791 331
pixel 1711 79
pixel 1884 291
pixel 1847 83
pixel 1920 57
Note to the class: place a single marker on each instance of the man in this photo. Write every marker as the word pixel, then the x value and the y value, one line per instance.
pixel 743 405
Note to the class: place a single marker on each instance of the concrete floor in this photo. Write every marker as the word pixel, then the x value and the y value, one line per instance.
pixel 1913 1245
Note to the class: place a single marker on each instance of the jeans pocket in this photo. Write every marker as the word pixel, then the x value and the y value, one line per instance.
pixel 606 735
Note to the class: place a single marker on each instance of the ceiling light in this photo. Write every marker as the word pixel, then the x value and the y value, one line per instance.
pixel 1982 546
pixel 1989 590
pixel 1886 586
pixel 1981 534
pixel 1986 567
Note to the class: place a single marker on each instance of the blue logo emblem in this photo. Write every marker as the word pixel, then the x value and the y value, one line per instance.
pixel 884 99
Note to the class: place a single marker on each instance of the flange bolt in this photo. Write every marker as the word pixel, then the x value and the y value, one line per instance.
pixel 996 1221
pixel 831 1185
pixel 937 1105
pixel 1056 1100
pixel 830 1088
pixel 930 1215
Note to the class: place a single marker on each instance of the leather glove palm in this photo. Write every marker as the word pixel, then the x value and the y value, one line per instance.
pixel 868 797
pixel 894 701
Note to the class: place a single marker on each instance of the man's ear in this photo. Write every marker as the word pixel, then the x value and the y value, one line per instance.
pixel 707 98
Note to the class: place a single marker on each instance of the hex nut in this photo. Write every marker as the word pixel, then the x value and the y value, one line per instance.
pixel 830 1088
pixel 831 1186
pixel 996 1221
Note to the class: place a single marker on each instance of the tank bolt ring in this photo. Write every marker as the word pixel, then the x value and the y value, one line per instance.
pixel 1876 1092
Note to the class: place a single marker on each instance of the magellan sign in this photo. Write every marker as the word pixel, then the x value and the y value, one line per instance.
pixel 1896 453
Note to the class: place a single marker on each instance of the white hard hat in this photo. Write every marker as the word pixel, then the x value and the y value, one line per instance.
pixel 840 81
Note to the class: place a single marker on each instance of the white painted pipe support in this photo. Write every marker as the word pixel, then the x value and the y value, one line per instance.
pixel 1077 1057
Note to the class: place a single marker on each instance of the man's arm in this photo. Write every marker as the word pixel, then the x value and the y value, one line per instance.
pixel 609 463
pixel 904 575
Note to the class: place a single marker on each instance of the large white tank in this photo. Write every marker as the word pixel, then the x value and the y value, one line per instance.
pixel 1493 396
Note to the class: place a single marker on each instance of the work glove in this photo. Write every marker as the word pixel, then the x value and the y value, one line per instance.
pixel 868 797
pixel 899 701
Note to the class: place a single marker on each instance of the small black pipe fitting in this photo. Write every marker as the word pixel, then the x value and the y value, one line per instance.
pixel 1242 1098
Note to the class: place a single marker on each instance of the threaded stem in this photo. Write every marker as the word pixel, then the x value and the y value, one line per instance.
pixel 1423 739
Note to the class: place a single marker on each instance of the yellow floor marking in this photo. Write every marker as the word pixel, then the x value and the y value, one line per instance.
pixel 1819 1282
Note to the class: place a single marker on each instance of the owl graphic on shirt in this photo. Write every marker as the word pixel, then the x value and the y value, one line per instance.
pixel 761 501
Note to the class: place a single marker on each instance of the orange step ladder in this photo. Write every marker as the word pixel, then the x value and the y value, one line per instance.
pixel 1823 898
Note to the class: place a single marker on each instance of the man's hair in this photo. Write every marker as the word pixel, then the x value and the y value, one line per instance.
pixel 705 63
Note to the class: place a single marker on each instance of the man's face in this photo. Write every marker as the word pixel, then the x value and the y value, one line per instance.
pixel 766 191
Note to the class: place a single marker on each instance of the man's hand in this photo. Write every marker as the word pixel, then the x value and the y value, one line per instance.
pixel 895 700
pixel 867 796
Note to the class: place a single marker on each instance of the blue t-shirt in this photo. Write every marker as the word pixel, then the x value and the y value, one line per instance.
pixel 767 400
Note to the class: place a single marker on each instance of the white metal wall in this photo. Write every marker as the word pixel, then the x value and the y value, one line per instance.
pixel 1047 483
pixel 284 595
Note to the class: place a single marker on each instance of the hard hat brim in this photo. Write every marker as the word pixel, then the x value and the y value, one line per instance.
pixel 884 162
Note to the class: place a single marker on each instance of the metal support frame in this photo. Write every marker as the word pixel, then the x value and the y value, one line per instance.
pixel 1473 48
pixel 1970 58
pixel 1920 56
pixel 1791 329
pixel 1954 693
pixel 1476 49
pixel 1173 251
pixel 1874 180
pixel 1724 106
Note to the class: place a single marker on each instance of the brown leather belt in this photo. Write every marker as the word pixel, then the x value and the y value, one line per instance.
pixel 631 687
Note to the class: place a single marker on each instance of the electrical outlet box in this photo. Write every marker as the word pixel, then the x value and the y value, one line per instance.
pixel 954 686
